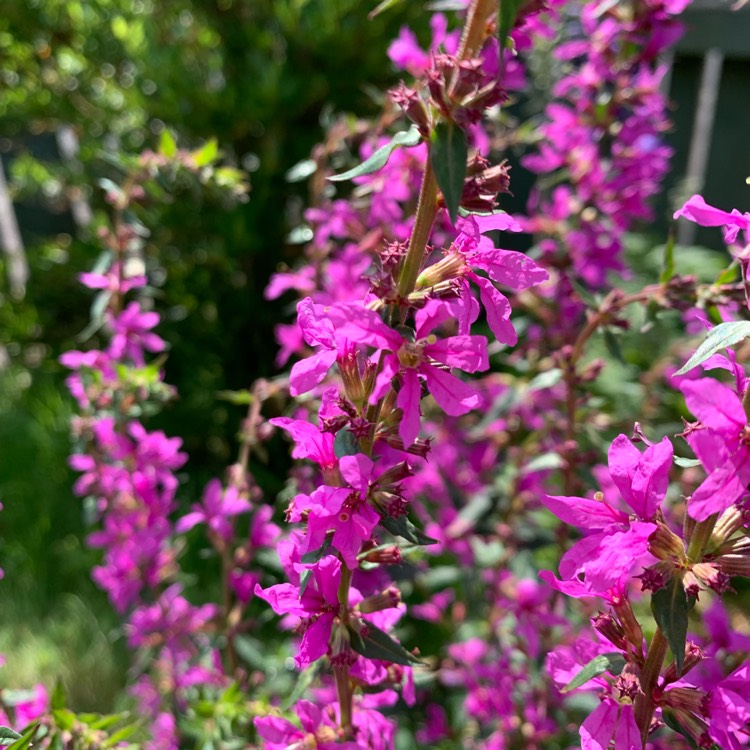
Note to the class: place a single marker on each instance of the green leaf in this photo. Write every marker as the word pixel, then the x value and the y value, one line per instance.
pixel 65 719
pixel 98 308
pixel 58 699
pixel 345 443
pixel 613 345
pixel 382 7
pixel 445 5
pixel 671 721
pixel 374 643
pixel 238 398
pixel 7 736
pixel 301 170
pixel 304 681
pixel 167 144
pixel 25 740
pixel 123 734
pixel 586 296
pixel 507 19
pixel 668 266
pixel 719 337
pixel 686 463
pixel 317 554
pixel 206 154
pixel 448 155
pixel 545 380
pixel 727 276
pixel 670 607
pixel 612 662
pixel 404 528
pixel 379 159
pixel 544 462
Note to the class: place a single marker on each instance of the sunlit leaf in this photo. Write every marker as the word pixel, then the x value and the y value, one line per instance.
pixel 380 157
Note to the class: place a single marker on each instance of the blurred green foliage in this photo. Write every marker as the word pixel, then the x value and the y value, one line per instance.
pixel 257 75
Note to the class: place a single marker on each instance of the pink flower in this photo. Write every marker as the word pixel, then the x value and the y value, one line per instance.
pixel 407 360
pixel 218 506
pixel 721 442
pixel 609 553
pixel 317 731
pixel 317 331
pixel 132 334
pixel 317 607
pixel 729 710
pixel 696 209
pixel 611 721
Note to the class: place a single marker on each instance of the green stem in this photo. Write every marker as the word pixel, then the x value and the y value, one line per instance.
pixel 701 538
pixel 644 704
pixel 426 211
pixel 472 37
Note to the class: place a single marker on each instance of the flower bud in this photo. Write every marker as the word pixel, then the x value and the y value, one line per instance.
pixel 349 369
pixel 451 266
pixel 734 565
pixel 666 545
pixel 387 599
pixel 712 577
pixel 414 108
pixel 610 629
pixel 630 625
pixel 693 655
pixel 390 555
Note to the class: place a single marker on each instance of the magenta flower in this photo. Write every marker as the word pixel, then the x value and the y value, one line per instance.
pixel 217 507
pixel 606 555
pixel 471 252
pixel 132 334
pixel 114 280
pixel 611 721
pixel 407 360
pixel 722 443
pixel 317 331
pixel 309 441
pixel 696 209
pixel 317 607
pixel 343 510
pixel 316 732
pixel 729 710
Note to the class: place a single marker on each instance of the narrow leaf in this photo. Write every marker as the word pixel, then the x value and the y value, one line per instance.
pixel 671 721
pixel 586 296
pixel 345 443
pixel 686 463
pixel 25 740
pixel 719 337
pixel 382 7
pixel 317 554
pixel 448 155
pixel 304 579
pixel 301 170
pixel 304 681
pixel 379 159
pixel 507 20
pixel 668 266
pixel 7 736
pixel 613 662
pixel 206 154
pixel 374 643
pixel 613 345
pixel 670 607
pixel 404 528
pixel 727 276
pixel 167 144
pixel 59 698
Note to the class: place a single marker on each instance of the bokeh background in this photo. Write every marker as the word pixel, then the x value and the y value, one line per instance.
pixel 83 81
